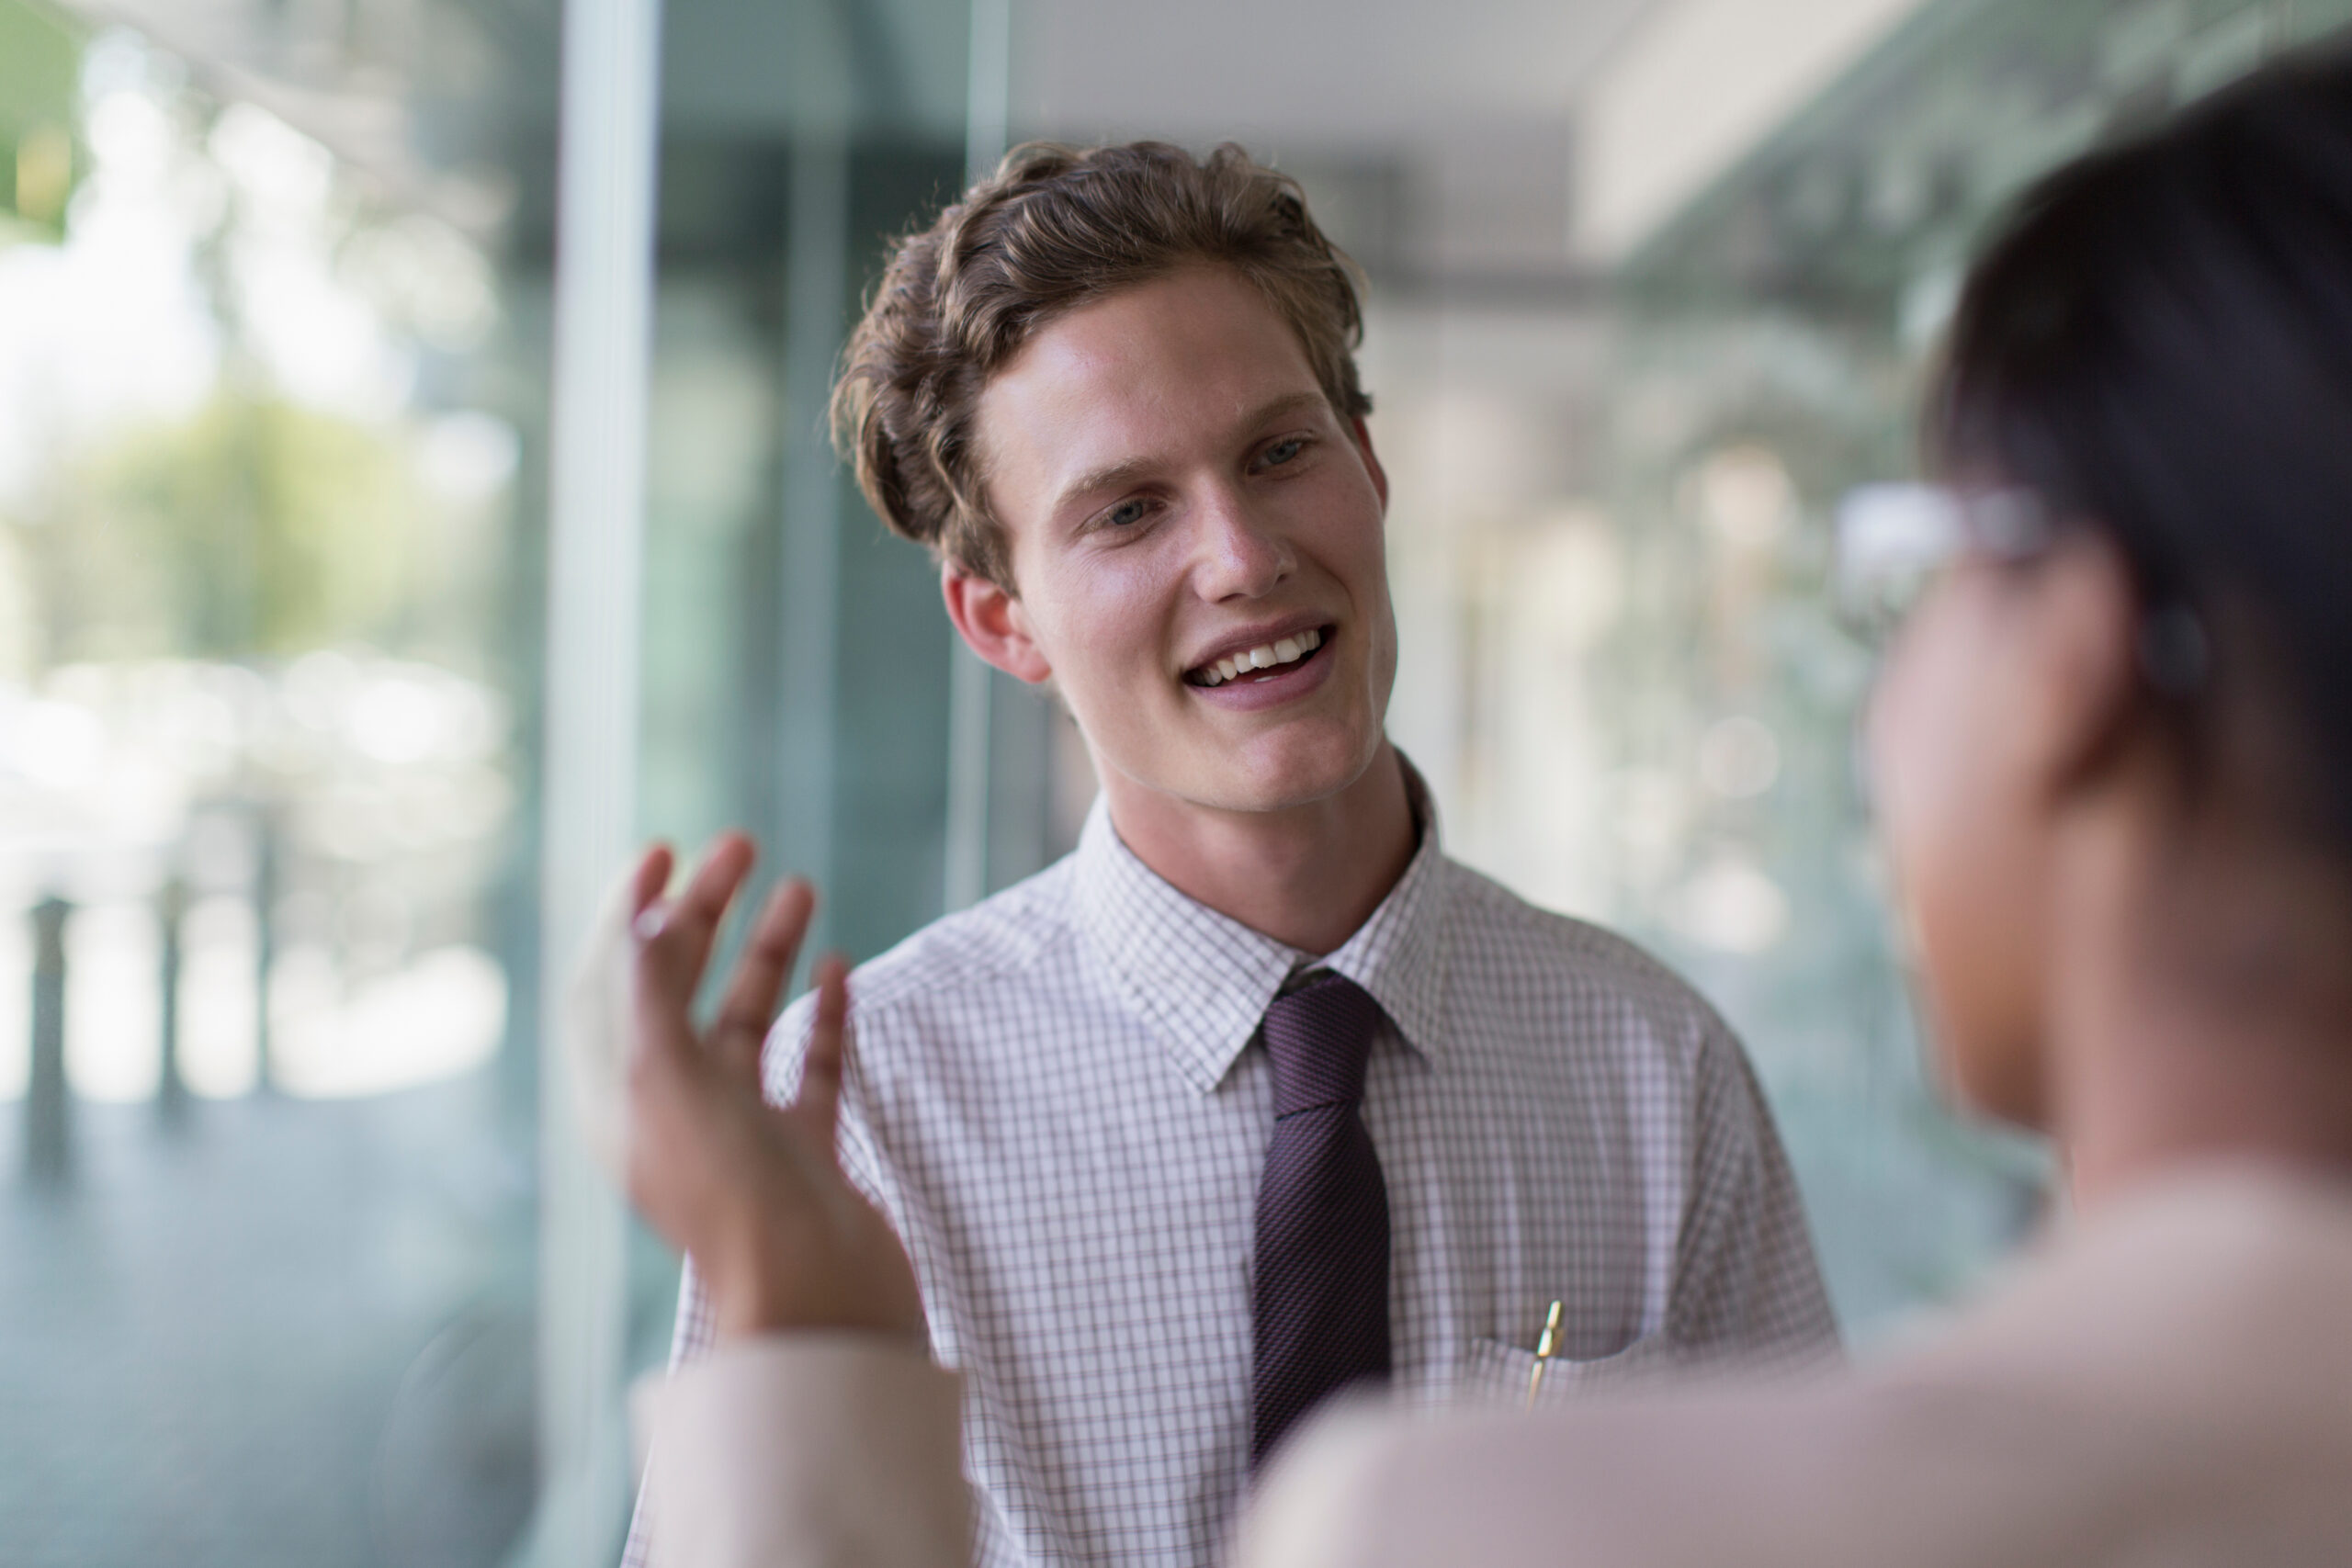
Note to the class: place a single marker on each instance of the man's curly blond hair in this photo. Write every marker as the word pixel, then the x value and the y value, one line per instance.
pixel 1056 228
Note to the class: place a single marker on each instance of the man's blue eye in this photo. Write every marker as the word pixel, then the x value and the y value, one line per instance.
pixel 1282 452
pixel 1124 515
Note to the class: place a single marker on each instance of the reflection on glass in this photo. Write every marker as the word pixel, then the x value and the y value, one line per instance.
pixel 262 756
pixel 1638 693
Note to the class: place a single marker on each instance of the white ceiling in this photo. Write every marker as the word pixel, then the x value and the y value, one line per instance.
pixel 1342 73
pixel 1467 106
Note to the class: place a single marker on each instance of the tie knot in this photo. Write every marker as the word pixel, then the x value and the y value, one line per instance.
pixel 1320 1038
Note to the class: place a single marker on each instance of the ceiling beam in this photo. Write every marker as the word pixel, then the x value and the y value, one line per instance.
pixel 1690 91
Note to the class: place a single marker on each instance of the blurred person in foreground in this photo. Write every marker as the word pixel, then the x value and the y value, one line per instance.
pixel 1257 1094
pixel 2112 751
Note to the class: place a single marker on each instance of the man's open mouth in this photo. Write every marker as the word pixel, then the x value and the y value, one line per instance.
pixel 1263 662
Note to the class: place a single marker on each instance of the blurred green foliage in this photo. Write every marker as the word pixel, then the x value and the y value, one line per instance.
pixel 256 527
pixel 40 59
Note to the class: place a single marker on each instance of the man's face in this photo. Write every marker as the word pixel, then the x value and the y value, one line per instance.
pixel 1179 496
pixel 1954 747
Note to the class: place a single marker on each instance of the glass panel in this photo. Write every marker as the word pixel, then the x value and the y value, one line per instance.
pixel 269 446
pixel 796 671
pixel 1611 542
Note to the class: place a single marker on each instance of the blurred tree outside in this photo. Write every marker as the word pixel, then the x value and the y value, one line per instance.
pixel 39 63
pixel 262 727
pixel 256 531
pixel 255 527
pixel 274 482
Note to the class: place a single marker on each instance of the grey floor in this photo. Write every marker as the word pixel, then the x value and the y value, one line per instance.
pixel 283 1332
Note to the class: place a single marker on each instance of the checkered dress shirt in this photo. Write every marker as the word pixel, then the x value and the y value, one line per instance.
pixel 1059 1099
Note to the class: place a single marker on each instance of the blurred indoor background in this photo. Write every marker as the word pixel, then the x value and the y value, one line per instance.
pixel 298 1263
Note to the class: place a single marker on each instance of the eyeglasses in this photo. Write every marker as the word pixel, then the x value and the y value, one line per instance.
pixel 1892 539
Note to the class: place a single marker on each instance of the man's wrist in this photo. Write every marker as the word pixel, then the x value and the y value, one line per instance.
pixel 748 1309
pixel 744 1327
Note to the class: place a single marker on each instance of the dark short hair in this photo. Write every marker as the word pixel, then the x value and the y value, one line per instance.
pixel 2158 342
pixel 1055 228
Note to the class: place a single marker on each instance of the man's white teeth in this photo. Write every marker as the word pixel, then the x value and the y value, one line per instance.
pixel 1285 650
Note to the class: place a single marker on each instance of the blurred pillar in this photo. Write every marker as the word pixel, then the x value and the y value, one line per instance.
pixel 891 681
pixel 999 752
pixel 970 714
pixel 605 231
pixel 267 874
pixel 49 1131
pixel 171 1085
pixel 862 695
pixel 816 290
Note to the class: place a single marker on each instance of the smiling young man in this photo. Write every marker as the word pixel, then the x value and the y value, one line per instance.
pixel 1256 1094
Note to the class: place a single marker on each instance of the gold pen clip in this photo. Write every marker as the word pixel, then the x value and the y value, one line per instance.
pixel 1543 1348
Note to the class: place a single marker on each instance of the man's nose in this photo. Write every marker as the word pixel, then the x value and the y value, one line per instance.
pixel 1241 554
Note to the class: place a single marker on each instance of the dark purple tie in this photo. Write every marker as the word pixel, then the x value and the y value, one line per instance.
pixel 1321 1281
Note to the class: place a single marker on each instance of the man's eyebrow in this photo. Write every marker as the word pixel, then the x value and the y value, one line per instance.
pixel 1289 402
pixel 1118 476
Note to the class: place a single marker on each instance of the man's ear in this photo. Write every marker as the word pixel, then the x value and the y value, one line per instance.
pixel 2081 644
pixel 1371 460
pixel 992 623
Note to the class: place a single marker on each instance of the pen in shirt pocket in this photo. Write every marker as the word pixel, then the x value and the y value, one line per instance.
pixel 1543 1348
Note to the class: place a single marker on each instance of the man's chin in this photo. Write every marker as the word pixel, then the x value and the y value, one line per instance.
pixel 1296 770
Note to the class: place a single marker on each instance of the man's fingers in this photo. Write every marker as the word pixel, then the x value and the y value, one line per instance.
pixel 679 945
pixel 651 878
pixel 761 972
pixel 820 1075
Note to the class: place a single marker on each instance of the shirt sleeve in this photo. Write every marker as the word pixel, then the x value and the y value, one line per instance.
pixel 1747 1286
pixel 809 1450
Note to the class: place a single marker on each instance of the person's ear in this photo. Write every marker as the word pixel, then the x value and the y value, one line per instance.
pixel 1371 460
pixel 992 623
pixel 2078 698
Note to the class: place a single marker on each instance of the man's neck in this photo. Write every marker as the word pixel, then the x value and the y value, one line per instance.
pixel 2186 1030
pixel 1306 875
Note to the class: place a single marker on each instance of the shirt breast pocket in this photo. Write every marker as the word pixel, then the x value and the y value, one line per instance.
pixel 1495 1373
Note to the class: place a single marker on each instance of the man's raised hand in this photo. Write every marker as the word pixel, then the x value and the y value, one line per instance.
pixel 752 1193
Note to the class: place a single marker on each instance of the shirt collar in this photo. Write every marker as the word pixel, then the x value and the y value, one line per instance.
pixel 1201 980
pixel 1399 953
